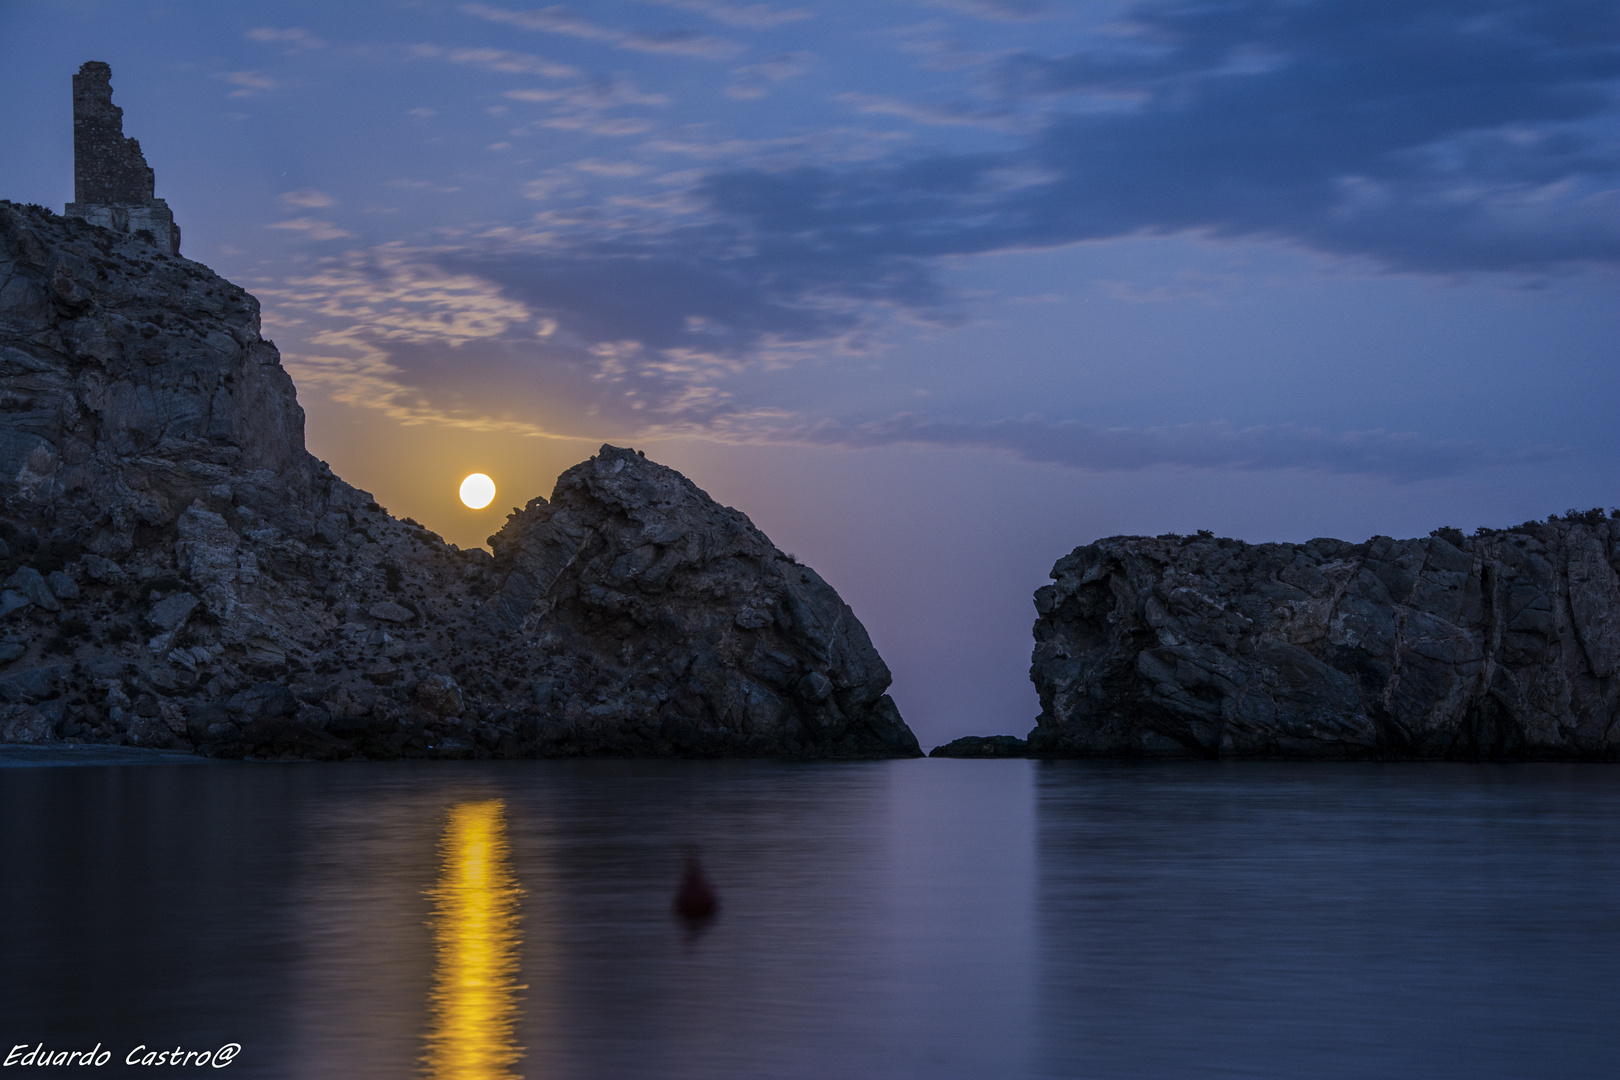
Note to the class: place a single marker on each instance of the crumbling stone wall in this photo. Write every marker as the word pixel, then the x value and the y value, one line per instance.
pixel 112 184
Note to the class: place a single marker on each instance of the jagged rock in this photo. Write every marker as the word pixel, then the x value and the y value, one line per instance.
pixel 62 587
pixel 391 612
pixel 31 684
pixel 1502 645
pixel 171 612
pixel 24 724
pixel 30 584
pixel 151 443
pixel 266 699
pixel 440 696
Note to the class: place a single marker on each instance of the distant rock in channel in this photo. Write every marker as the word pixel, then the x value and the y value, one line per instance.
pixel 1504 645
pixel 179 572
pixel 983 746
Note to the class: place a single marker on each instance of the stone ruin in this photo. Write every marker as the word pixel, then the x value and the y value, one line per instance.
pixel 112 184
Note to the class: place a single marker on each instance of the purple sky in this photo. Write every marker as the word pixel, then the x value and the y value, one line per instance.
pixel 933 291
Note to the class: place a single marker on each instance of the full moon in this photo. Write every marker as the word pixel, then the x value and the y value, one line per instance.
pixel 477 491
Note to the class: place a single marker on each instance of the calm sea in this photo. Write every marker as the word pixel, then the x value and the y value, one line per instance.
pixel 929 919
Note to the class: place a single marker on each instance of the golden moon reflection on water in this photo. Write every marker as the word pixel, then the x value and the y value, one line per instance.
pixel 474 1002
pixel 477 491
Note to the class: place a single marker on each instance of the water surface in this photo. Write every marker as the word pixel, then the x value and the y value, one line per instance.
pixel 928 919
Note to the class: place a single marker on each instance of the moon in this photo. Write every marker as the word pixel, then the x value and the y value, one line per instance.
pixel 477 491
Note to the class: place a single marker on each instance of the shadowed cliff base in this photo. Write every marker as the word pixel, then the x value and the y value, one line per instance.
pixel 180 573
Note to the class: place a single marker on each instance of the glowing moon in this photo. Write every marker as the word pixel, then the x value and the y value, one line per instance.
pixel 477 491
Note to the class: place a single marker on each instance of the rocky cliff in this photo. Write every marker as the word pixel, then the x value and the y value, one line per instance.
pixel 1504 645
pixel 179 572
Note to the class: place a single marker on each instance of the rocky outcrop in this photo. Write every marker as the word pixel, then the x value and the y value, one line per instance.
pixel 983 746
pixel 179 572
pixel 1501 645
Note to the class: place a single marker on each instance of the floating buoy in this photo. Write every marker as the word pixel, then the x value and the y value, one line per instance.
pixel 695 899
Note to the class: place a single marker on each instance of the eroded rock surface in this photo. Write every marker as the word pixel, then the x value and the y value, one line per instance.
pixel 177 571
pixel 1500 645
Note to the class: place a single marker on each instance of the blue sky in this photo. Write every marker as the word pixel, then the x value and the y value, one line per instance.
pixel 934 291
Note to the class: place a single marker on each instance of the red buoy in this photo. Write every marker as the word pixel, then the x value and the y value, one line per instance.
pixel 695 899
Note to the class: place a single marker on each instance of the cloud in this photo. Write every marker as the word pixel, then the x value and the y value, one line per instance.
pixel 560 20
pixel 753 80
pixel 1435 136
pixel 308 198
pixel 503 60
pixel 1400 456
pixel 599 167
pixel 354 370
pixel 248 83
pixel 934 115
pixel 316 230
pixel 1005 11
pixel 292 35
pixel 372 325
pixel 597 94
pixel 423 185
pixel 949 55
pixel 1447 136
pixel 612 126
pixel 628 337
pixel 750 16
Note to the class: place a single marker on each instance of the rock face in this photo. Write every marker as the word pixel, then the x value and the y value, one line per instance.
pixel 178 571
pixel 1502 645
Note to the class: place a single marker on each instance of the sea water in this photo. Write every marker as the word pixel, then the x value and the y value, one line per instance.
pixel 931 919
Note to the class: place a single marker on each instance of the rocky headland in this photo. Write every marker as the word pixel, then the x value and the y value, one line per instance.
pixel 1501 645
pixel 179 572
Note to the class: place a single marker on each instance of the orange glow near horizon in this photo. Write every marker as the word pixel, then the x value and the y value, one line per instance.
pixel 475 930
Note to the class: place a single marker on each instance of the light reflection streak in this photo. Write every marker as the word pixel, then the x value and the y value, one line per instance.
pixel 475 929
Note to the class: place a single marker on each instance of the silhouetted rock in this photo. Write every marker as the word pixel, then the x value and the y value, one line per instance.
pixel 1501 645
pixel 178 570
pixel 983 746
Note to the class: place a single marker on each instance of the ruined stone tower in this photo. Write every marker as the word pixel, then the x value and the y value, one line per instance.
pixel 112 184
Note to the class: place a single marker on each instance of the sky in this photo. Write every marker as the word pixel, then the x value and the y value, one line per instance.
pixel 933 290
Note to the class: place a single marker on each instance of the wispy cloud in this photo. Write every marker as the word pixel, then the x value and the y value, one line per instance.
pixel 749 16
pixel 315 230
pixel 292 36
pixel 248 83
pixel 308 198
pixel 354 370
pixel 935 115
pixel 394 294
pixel 1398 456
pixel 597 94
pixel 560 20
pixel 754 80
pixel 1005 11
pixel 424 185
pixel 499 60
